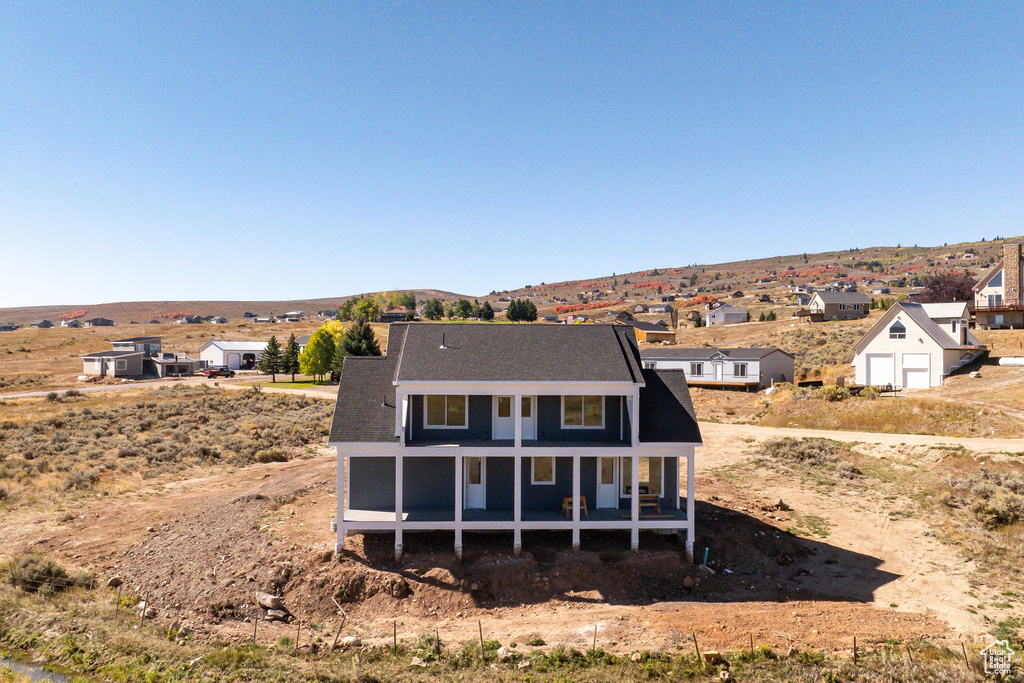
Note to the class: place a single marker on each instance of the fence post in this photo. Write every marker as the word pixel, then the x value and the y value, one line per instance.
pixel 855 650
pixel 394 637
pixel 117 606
pixel 480 626
pixel 340 626
pixel 298 633
pixel 145 608
pixel 255 624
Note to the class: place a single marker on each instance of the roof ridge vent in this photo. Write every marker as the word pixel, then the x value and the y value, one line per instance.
pixel 442 341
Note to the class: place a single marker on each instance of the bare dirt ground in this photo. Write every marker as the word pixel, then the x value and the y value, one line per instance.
pixel 853 564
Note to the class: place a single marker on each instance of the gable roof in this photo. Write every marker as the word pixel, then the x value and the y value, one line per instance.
pixel 365 408
pixel 983 280
pixel 917 313
pixel 234 345
pixel 842 297
pixel 706 353
pixel 726 308
pixel 666 411
pixel 487 352
pixel 946 309
pixel 648 327
pixel 135 340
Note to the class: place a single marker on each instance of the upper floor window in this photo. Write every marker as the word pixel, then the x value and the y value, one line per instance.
pixel 897 331
pixel 446 411
pixel 739 370
pixel 120 364
pixel 996 280
pixel 696 368
pixel 583 411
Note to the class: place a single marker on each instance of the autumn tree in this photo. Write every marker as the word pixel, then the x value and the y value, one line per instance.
pixel 315 359
pixel 948 287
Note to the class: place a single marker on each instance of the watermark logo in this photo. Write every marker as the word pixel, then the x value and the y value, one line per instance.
pixel 997 657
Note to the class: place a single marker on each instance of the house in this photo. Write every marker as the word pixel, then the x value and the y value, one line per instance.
pixel 661 308
pixel 881 290
pixel 113 364
pixel 765 299
pixel 267 319
pixel 42 324
pixel 693 315
pixel 998 296
pixel 235 355
pixel 550 318
pixel 72 323
pixel 189 320
pixel 801 289
pixel 295 314
pixel 640 308
pixel 652 332
pixel 7 327
pixel 914 346
pixel 137 357
pixel 394 315
pixel 801 299
pixel 726 315
pixel 219 320
pixel 735 368
pixel 574 319
pixel 98 322
pixel 737 294
pixel 622 316
pixel 506 428
pixel 829 305
pixel 712 305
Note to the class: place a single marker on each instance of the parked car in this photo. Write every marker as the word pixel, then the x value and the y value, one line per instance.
pixel 218 371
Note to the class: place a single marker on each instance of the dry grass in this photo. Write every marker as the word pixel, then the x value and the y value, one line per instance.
pixel 81 443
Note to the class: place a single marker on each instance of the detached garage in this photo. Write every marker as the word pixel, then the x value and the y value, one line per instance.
pixel 914 346
pixel 236 355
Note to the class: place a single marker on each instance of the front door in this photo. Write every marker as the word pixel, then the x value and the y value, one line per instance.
pixel 504 422
pixel 529 418
pixel 718 372
pixel 607 483
pixel 475 476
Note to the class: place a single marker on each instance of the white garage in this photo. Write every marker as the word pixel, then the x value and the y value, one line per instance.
pixel 881 369
pixel 236 355
pixel 916 370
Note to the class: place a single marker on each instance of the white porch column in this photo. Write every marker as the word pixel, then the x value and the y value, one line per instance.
pixel 458 506
pixel 634 500
pixel 634 419
pixel 342 502
pixel 576 501
pixel 399 472
pixel 517 515
pixel 690 522
pixel 518 407
pixel 679 484
pixel 401 406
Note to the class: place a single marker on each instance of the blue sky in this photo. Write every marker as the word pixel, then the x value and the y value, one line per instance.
pixel 264 151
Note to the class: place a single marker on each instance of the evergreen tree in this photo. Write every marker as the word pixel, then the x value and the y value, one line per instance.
pixel 315 359
pixel 760 318
pixel 528 312
pixel 486 312
pixel 359 340
pixel 771 316
pixel 463 308
pixel 270 361
pixel 290 359
pixel 512 312
pixel 433 310
pixel 748 315
pixel 338 361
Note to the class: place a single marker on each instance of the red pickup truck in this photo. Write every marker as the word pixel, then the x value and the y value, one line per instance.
pixel 218 371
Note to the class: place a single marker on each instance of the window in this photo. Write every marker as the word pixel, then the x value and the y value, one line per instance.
pixel 542 470
pixel 585 412
pixel 696 368
pixel 996 280
pixel 446 411
pixel 120 364
pixel 897 331
pixel 504 406
pixel 650 476
pixel 739 370
pixel 953 326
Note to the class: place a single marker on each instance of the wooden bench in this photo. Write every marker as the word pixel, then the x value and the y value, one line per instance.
pixel 649 504
pixel 567 507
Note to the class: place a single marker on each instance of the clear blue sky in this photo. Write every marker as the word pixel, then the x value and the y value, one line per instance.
pixel 257 151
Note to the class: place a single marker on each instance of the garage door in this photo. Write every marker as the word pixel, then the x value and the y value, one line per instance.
pixel 916 370
pixel 881 369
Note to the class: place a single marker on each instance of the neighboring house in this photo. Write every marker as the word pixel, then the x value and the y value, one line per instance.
pixel 915 345
pixel 692 315
pixel 550 318
pixel 219 320
pixel 42 324
pixel 801 299
pixel 74 324
pixel 661 308
pixel 801 289
pixel 652 332
pixel 395 315
pixel 235 355
pixel 998 296
pixel 479 427
pixel 640 308
pixel 138 356
pixel 302 341
pixel 189 320
pixel 881 290
pixel 7 327
pixel 737 294
pixel 98 322
pixel 735 368
pixel 113 364
pixel 712 305
pixel 829 305
pixel 295 314
pixel 726 315
pixel 622 316
pixel 268 319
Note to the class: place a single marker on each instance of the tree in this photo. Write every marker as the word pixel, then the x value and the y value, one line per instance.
pixel 338 360
pixel 449 310
pixel 948 287
pixel 359 340
pixel 771 316
pixel 463 308
pixel 345 310
pixel 433 309
pixel 760 318
pixel 367 308
pixel 512 312
pixel 529 311
pixel 486 312
pixel 315 359
pixel 270 361
pixel 748 315
pixel 290 359
pixel 406 300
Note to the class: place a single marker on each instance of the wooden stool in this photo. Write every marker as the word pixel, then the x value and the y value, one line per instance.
pixel 567 507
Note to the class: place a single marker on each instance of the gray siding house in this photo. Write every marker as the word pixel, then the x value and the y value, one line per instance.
pixel 751 368
pixel 726 315
pixel 509 428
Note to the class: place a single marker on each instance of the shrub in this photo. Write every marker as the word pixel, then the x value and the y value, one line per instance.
pixel 832 393
pixel 34 573
pixel 814 451
pixel 270 455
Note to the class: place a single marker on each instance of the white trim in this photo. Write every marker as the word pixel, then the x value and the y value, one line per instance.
pixel 533 474
pixel 525 388
pixel 482 484
pixel 583 409
pixel 465 414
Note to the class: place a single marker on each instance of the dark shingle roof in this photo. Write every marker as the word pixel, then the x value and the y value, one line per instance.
pixel 704 353
pixel 520 353
pixel 843 297
pixel 365 410
pixel 666 411
pixel 648 327
pixel 135 340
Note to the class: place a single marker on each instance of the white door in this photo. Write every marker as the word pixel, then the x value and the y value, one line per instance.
pixel 475 478
pixel 607 483
pixel 718 372
pixel 234 361
pixel 916 370
pixel 881 369
pixel 504 424
pixel 529 418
